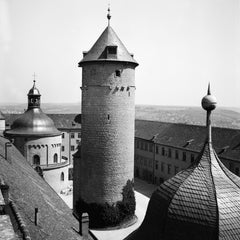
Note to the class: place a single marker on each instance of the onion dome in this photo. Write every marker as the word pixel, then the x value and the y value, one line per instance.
pixel 108 47
pixel 34 122
pixel 201 202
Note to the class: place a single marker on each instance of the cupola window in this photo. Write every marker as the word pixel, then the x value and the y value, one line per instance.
pixel 55 158
pixel 36 160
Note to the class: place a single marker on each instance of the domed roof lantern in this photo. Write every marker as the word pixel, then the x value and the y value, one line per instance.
pixel 200 202
pixel 34 96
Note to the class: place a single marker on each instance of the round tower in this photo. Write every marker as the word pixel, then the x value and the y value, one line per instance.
pixel 103 175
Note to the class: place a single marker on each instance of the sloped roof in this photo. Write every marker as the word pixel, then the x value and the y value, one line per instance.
pixel 28 191
pixel 108 38
pixel 178 135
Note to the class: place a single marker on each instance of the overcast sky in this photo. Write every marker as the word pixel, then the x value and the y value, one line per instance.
pixel 180 46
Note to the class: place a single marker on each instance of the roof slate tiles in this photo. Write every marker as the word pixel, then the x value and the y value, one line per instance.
pixel 28 191
pixel 201 202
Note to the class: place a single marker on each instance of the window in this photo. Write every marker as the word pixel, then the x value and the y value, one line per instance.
pixel 141 146
pixel 176 169
pixel 36 160
pixel 169 152
pixel 162 167
pixel 112 50
pixel 156 149
pixel 150 163
pixel 163 151
pixel 137 144
pixel 62 176
pixel 192 158
pixel 146 146
pixel 72 148
pixel 184 157
pixel 63 135
pixel 156 166
pixel 145 162
pixel 169 169
pixel 72 135
pixel 55 158
pixel 79 135
pixel 63 149
pixel 118 73
pixel 150 147
pixel 176 154
pixel 77 141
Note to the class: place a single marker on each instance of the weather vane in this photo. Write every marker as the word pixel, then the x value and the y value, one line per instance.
pixel 108 15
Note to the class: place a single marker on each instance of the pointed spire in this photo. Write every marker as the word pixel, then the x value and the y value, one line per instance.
pixel 109 15
pixel 209 103
pixel 209 90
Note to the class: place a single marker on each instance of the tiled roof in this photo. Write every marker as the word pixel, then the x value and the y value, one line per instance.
pixel 107 38
pixel 29 191
pixel 190 137
pixel 202 202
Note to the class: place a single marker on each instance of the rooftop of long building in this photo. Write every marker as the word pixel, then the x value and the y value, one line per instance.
pixel 29 191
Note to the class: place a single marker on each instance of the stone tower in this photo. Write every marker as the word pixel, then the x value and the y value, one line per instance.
pixel 108 115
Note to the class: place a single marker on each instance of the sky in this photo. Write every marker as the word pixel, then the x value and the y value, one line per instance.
pixel 180 46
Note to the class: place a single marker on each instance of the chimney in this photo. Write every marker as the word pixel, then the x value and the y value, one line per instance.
pixel 5 191
pixel 84 226
pixel 8 146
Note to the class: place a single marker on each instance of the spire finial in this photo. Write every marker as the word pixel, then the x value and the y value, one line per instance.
pixel 109 15
pixel 209 103
pixel 209 90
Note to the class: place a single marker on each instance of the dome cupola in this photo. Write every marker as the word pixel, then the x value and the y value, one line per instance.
pixel 201 202
pixel 34 122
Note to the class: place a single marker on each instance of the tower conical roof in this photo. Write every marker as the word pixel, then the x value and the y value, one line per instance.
pixel 201 202
pixel 99 50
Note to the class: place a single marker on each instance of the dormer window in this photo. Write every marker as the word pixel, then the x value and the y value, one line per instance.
pixel 111 51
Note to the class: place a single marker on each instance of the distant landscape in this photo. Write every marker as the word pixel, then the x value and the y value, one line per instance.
pixel 222 117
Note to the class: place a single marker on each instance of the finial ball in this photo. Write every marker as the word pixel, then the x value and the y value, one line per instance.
pixel 209 103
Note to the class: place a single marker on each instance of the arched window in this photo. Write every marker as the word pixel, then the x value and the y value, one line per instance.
pixel 36 160
pixel 62 176
pixel 55 158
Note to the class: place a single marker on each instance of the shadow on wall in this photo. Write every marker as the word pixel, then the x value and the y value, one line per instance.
pixel 106 215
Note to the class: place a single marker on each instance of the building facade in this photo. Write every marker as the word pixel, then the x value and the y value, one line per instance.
pixel 163 149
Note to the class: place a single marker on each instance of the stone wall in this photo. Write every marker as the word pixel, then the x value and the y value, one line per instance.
pixel 107 146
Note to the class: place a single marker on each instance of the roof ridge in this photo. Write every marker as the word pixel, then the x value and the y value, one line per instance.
pixel 213 184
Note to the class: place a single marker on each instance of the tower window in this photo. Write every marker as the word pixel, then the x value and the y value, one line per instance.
pixel 112 50
pixel 72 135
pixel 118 73
pixel 108 117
